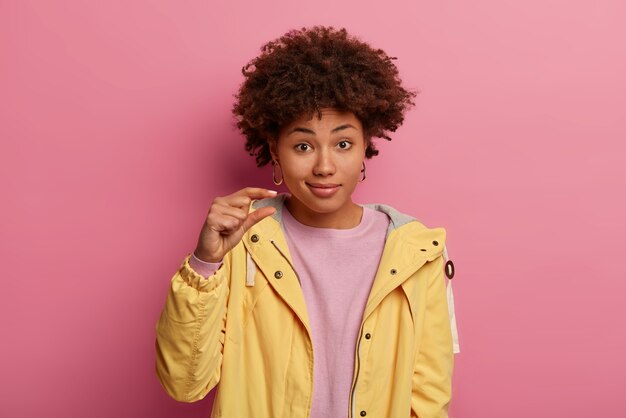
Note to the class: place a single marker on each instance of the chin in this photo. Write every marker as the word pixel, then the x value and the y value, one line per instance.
pixel 322 204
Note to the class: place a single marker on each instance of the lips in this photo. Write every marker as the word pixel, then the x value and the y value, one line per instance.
pixel 323 185
pixel 323 189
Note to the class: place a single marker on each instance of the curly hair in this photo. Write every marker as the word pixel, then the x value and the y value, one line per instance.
pixel 309 69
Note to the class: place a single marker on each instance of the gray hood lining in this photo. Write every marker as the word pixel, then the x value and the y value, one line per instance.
pixel 397 218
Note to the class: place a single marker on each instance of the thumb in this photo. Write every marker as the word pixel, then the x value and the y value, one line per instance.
pixel 257 215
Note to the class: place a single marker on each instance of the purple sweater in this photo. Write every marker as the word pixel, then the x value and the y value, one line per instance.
pixel 337 269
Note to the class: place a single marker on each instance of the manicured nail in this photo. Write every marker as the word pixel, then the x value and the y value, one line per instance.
pixel 272 191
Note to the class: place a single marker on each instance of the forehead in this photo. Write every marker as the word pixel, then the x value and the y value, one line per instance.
pixel 330 118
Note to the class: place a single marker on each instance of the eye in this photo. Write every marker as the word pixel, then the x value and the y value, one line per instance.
pixel 302 147
pixel 344 144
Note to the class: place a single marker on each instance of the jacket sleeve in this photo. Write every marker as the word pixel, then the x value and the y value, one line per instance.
pixel 434 362
pixel 190 332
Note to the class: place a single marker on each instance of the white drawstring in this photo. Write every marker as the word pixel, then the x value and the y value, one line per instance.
pixel 250 270
pixel 450 298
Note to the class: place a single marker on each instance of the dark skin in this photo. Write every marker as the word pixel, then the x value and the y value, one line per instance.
pixel 311 152
pixel 228 219
pixel 322 151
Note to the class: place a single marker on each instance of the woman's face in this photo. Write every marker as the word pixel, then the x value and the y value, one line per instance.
pixel 320 162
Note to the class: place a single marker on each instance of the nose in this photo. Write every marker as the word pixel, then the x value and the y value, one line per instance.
pixel 324 164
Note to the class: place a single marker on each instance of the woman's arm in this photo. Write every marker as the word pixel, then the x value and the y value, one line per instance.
pixel 191 329
pixel 190 332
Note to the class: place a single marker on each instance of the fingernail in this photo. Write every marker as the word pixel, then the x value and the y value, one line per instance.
pixel 272 191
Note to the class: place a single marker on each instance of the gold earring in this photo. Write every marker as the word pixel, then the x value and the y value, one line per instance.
pixel 274 164
pixel 363 171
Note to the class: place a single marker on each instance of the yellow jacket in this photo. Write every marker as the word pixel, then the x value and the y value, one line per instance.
pixel 246 328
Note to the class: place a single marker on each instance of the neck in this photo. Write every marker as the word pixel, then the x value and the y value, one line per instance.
pixel 346 217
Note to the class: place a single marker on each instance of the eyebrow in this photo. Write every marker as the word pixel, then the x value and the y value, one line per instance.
pixel 309 131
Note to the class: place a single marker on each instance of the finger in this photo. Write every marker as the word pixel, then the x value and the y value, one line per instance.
pixel 235 212
pixel 257 216
pixel 256 192
pixel 234 200
pixel 223 223
pixel 242 198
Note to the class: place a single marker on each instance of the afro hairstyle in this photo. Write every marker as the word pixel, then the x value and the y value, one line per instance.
pixel 312 68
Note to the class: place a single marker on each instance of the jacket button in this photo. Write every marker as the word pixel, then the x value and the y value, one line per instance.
pixel 393 271
pixel 368 336
pixel 435 243
pixel 278 274
pixel 254 238
pixel 363 413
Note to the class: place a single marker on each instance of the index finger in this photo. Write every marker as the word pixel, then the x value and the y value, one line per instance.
pixel 256 192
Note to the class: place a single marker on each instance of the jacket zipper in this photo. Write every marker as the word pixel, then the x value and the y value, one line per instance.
pixel 285 257
pixel 351 412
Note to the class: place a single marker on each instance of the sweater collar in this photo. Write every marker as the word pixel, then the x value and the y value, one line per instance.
pixel 428 242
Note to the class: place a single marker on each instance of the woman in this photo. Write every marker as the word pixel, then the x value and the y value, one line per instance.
pixel 306 304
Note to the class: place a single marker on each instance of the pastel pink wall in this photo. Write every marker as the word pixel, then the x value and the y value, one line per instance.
pixel 116 134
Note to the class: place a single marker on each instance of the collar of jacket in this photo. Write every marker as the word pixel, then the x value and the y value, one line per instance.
pixel 409 245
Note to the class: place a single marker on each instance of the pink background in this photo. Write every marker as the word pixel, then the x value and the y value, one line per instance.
pixel 116 135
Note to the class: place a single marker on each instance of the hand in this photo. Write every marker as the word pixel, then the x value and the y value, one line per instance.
pixel 228 220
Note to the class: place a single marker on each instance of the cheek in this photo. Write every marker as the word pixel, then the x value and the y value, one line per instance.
pixel 353 167
pixel 292 168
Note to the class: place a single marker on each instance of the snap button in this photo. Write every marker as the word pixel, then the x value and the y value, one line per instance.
pixel 363 413
pixel 254 238
pixel 393 271
pixel 449 269
pixel 368 336
pixel 278 274
pixel 435 243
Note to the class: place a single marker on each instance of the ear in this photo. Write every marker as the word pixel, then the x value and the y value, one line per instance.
pixel 273 144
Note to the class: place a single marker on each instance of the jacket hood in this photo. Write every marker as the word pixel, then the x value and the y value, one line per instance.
pixel 405 234
pixel 396 218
